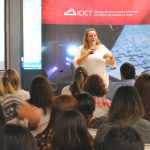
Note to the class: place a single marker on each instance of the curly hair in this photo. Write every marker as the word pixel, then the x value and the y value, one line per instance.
pixel 95 85
pixel 79 78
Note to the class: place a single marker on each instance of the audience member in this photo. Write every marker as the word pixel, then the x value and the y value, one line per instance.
pixel 42 97
pixel 142 84
pixel 95 85
pixel 126 108
pixel 127 72
pixel 62 102
pixel 16 137
pixel 14 80
pixel 77 86
pixel 14 108
pixel 122 138
pixel 2 117
pixel 70 132
pixel 87 107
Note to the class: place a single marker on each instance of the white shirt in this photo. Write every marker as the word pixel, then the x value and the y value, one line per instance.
pixel 66 90
pixel 24 95
pixel 95 63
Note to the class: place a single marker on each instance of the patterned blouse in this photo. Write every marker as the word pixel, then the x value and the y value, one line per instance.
pixel 102 102
pixel 96 122
pixel 10 104
pixel 41 141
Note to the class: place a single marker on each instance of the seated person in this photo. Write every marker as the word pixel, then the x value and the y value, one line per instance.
pixel 14 80
pixel 95 85
pixel 127 72
pixel 126 108
pixel 77 86
pixel 14 108
pixel 70 132
pixel 42 97
pixel 61 102
pixel 122 138
pixel 87 107
pixel 142 84
pixel 2 117
pixel 16 137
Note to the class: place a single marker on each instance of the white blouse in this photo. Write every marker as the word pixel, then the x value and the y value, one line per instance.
pixel 95 63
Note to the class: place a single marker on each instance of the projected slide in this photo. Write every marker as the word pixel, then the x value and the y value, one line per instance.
pixel 2 36
pixel 31 34
pixel 122 26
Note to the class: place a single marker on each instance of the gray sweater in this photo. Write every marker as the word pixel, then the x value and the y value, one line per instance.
pixel 142 125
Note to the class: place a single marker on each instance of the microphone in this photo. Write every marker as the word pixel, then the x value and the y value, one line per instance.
pixel 93 44
pixel 55 72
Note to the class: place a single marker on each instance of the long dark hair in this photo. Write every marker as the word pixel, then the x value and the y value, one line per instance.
pixel 79 78
pixel 142 84
pixel 62 102
pixel 16 137
pixel 70 132
pixel 126 106
pixel 86 105
pixel 41 93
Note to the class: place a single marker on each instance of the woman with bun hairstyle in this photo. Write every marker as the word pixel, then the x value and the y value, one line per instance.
pixel 76 87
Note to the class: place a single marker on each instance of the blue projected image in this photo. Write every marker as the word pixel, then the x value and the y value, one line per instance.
pixel 132 46
pixel 31 34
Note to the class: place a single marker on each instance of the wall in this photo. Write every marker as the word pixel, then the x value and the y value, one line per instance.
pixel 14 43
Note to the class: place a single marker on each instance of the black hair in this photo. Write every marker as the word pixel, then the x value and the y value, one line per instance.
pixel 86 104
pixel 16 137
pixel 127 70
pixel 122 138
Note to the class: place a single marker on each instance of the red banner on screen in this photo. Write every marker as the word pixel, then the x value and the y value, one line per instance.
pixel 96 12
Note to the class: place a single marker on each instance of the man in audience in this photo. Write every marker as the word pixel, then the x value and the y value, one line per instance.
pixel 127 72
pixel 122 138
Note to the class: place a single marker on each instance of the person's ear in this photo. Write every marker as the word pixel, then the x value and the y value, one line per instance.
pixel 122 77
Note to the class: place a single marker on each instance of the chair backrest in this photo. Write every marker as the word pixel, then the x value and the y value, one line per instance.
pixel 146 146
pixel 92 132
pixel 100 111
pixel 41 128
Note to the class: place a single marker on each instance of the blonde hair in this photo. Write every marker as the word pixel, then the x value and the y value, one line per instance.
pixel 85 43
pixel 13 77
pixel 1 87
pixel 79 78
pixel 8 89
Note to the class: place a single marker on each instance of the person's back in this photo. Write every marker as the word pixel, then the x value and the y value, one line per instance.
pixel 87 107
pixel 14 80
pixel 15 109
pixel 122 138
pixel 126 109
pixel 76 87
pixel 16 137
pixel 42 97
pixel 72 134
pixel 127 72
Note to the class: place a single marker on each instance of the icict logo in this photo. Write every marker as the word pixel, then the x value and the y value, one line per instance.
pixel 71 12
